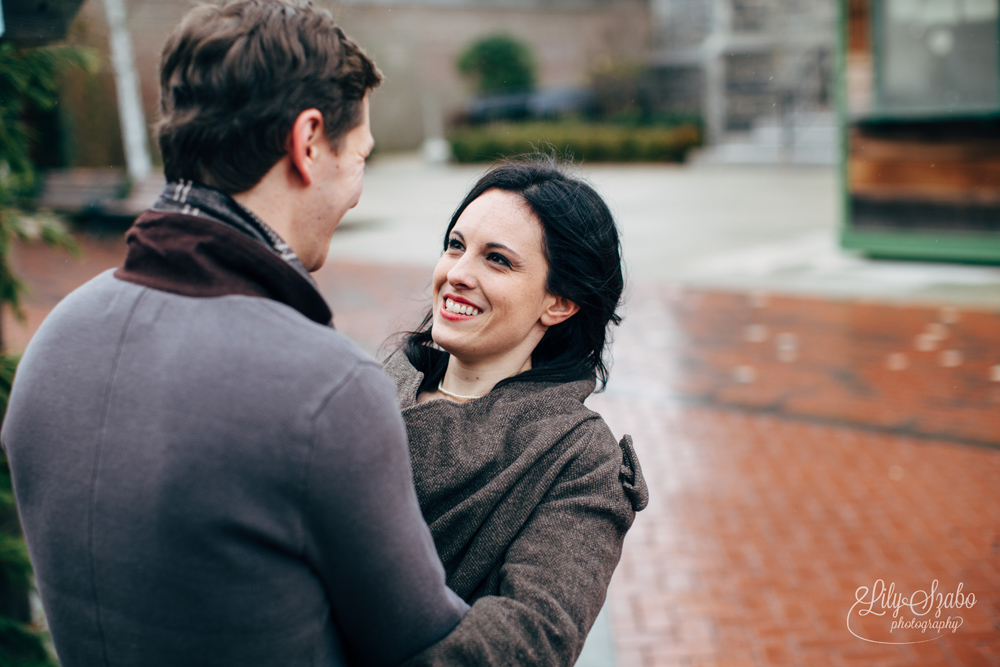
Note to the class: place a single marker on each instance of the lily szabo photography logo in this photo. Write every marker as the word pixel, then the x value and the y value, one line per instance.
pixel 884 615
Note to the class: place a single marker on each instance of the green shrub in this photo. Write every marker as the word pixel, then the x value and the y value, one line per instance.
pixel 591 142
pixel 500 64
pixel 29 81
pixel 7 365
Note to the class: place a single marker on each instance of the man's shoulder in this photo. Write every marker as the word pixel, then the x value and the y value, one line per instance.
pixel 235 330
pixel 257 332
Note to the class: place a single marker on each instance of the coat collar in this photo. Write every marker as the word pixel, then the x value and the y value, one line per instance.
pixel 199 256
pixel 198 199
pixel 516 398
pixel 408 380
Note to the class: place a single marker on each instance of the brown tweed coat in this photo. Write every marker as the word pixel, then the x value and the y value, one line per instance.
pixel 528 496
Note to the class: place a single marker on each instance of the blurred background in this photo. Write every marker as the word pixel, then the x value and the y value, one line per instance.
pixel 809 198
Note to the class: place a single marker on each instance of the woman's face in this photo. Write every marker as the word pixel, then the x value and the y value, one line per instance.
pixel 490 301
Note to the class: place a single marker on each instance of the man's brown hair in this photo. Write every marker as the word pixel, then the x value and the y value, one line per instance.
pixel 234 77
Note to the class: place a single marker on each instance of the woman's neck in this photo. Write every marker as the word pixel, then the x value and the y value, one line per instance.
pixel 476 380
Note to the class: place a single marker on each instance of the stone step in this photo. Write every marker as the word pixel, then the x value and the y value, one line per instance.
pixel 766 153
pixel 97 192
pixel 822 135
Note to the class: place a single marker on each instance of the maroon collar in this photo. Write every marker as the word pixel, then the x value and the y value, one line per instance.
pixel 200 257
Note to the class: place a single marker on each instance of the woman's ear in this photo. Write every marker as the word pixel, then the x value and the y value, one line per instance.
pixel 307 132
pixel 558 309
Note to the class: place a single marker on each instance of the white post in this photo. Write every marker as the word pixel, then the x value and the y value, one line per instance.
pixel 3 26
pixel 714 64
pixel 133 120
pixel 436 148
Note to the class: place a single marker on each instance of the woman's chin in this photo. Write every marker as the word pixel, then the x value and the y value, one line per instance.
pixel 443 340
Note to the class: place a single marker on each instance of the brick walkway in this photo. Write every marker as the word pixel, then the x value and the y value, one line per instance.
pixel 795 449
pixel 760 530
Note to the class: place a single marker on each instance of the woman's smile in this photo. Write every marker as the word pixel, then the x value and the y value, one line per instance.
pixel 456 308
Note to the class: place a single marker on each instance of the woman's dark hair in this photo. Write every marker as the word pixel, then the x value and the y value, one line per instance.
pixel 584 255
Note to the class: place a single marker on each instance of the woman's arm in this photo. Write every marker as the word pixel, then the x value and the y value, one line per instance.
pixel 556 573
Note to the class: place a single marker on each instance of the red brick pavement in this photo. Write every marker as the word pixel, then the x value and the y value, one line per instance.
pixel 931 371
pixel 795 449
pixel 760 530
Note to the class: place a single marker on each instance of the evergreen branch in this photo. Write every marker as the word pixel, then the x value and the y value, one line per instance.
pixel 23 646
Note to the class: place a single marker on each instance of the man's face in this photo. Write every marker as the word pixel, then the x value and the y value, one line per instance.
pixel 355 147
pixel 338 185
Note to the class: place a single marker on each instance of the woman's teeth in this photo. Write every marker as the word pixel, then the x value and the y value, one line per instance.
pixel 459 308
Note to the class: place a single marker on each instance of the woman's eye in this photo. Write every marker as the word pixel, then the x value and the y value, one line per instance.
pixel 455 244
pixel 499 259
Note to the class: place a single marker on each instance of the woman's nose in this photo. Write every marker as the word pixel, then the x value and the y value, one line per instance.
pixel 462 273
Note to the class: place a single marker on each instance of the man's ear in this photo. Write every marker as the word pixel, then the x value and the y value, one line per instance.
pixel 558 309
pixel 304 143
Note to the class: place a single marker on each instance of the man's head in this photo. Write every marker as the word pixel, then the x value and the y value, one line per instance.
pixel 234 78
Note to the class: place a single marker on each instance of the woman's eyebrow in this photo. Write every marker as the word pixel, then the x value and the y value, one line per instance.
pixel 489 245
pixel 503 247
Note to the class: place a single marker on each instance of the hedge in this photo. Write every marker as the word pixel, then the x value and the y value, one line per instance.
pixel 590 142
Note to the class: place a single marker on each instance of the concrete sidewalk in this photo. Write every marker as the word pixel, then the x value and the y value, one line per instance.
pixel 770 228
